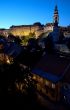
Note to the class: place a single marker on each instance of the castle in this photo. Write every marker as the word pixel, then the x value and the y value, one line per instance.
pixel 37 28
pixel 24 30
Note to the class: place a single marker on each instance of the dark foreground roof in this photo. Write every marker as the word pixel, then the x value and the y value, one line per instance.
pixel 52 67
pixel 67 77
pixel 12 49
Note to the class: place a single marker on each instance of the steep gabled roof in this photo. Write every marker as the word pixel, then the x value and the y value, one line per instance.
pixel 52 67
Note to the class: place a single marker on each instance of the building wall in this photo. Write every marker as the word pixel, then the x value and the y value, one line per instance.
pixel 19 31
pixel 4 32
pixel 48 27
pixel 67 34
pixel 47 87
pixel 39 32
pixel 5 58
pixel 25 30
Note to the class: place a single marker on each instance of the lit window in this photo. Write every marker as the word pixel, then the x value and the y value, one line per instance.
pixel 53 85
pixel 34 77
pixel 8 61
pixel 41 79
pixel 47 83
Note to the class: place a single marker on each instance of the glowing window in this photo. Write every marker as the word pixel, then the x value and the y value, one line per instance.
pixel 53 85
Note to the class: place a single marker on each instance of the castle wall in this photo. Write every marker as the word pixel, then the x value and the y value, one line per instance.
pixel 39 32
pixel 20 31
pixel 25 30
pixel 48 27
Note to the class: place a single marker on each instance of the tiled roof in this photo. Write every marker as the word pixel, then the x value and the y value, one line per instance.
pixel 12 49
pixel 50 24
pixel 52 67
pixel 45 75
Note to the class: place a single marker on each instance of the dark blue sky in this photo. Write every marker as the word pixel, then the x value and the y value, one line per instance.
pixel 19 12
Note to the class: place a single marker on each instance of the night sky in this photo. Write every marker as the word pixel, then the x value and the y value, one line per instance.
pixel 20 12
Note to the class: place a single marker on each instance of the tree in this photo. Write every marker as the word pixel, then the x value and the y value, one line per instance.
pixel 25 39
pixel 2 36
pixel 11 37
pixel 31 35
pixel 17 40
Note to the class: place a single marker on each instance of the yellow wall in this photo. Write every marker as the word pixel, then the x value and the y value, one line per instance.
pixel 47 87
pixel 24 31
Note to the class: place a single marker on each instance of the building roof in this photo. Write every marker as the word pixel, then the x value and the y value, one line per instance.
pixel 18 26
pixel 66 77
pixel 12 49
pixel 31 25
pixel 52 67
pixel 50 24
pixel 3 41
pixel 37 24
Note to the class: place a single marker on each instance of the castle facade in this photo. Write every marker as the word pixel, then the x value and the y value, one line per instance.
pixel 36 28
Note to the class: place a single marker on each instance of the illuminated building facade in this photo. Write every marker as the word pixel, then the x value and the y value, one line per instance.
pixel 24 30
pixel 51 74
pixel 36 28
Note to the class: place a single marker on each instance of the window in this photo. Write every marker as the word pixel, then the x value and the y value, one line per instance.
pixel 47 83
pixel 39 79
pixel 53 86
pixel 34 77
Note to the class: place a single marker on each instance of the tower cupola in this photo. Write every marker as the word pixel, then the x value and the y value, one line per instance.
pixel 56 16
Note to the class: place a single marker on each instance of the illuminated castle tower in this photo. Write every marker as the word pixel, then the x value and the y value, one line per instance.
pixel 56 16
pixel 55 33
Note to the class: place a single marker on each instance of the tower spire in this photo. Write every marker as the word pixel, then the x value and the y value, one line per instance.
pixel 56 16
